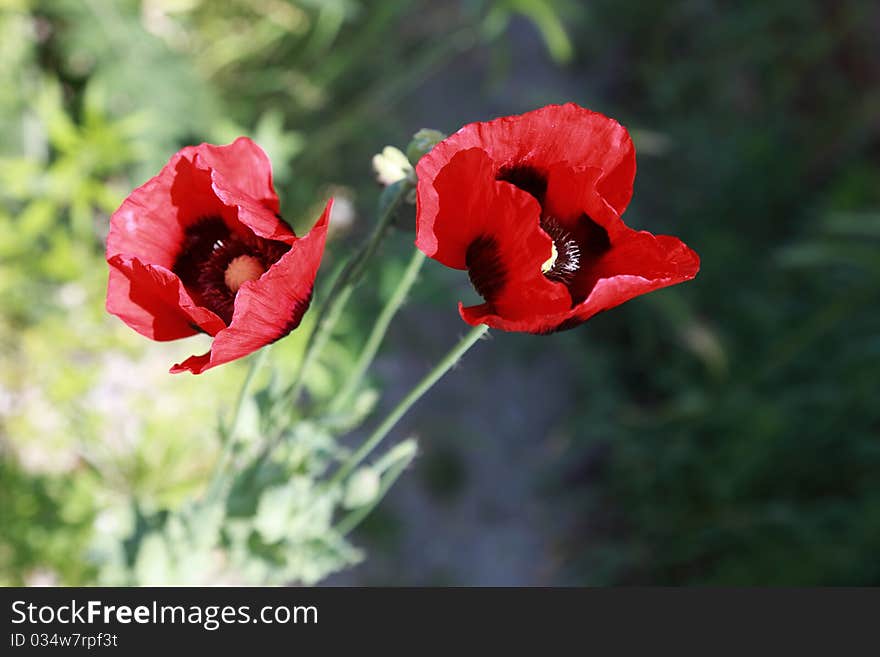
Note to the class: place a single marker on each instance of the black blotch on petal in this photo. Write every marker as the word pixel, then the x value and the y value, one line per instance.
pixel 527 178
pixel 485 268
pixel 594 239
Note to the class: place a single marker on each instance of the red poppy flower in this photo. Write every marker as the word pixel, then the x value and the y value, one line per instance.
pixel 201 248
pixel 530 205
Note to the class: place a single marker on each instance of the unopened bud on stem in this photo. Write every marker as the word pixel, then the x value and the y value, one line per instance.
pixel 422 142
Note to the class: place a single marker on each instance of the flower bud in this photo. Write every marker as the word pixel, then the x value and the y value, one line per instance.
pixel 422 142
pixel 391 166
pixel 362 488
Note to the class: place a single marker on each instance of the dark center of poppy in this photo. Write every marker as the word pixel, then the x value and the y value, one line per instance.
pixel 214 262
pixel 574 242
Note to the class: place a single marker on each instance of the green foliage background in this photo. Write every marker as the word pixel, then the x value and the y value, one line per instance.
pixel 726 431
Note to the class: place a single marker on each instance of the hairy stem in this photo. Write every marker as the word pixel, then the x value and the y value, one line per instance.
pixel 230 433
pixel 377 335
pixel 354 518
pixel 331 308
pixel 407 402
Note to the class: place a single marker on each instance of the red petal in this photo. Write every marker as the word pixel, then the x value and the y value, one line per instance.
pixel 253 214
pixel 147 225
pixel 580 165
pixel 241 177
pixel 152 300
pixel 553 135
pixel 453 209
pixel 522 248
pixel 269 308
pixel 234 182
pixel 506 216
pixel 198 181
pixel 245 164
pixel 637 263
pixel 571 193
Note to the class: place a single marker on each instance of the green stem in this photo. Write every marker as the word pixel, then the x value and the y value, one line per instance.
pixel 354 518
pixel 331 309
pixel 256 364
pixel 380 328
pixel 406 403
pixel 317 341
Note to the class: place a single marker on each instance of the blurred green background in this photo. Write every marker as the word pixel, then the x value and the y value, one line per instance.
pixel 726 431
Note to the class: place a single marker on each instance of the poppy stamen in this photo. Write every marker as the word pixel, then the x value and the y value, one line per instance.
pixel 565 254
pixel 215 262
pixel 242 269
